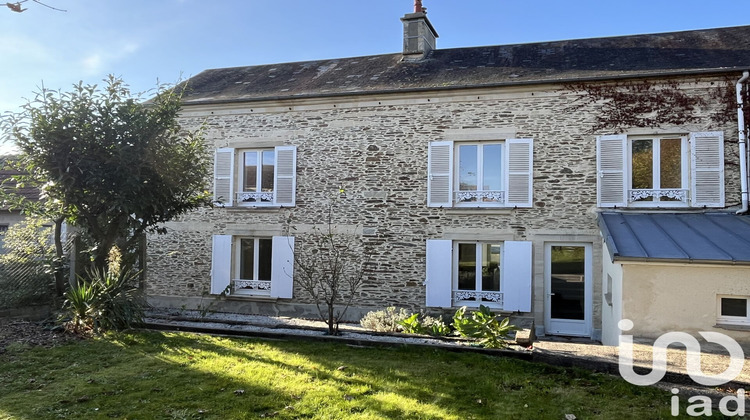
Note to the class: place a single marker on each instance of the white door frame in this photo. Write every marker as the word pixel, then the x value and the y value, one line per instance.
pixel 582 328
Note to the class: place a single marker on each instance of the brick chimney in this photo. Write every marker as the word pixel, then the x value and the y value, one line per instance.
pixel 419 34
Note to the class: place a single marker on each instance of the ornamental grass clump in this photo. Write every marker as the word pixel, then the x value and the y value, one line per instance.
pixel 104 301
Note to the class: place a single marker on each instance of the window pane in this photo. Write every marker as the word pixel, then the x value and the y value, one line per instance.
pixel 467 167
pixel 491 164
pixel 266 177
pixel 250 176
pixel 734 307
pixel 467 266
pixel 247 257
pixel 491 267
pixel 643 164
pixel 568 267
pixel 264 259
pixel 670 160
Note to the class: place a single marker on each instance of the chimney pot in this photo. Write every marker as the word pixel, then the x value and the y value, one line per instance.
pixel 418 6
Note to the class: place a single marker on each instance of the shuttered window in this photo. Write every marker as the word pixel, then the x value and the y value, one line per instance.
pixel 480 174
pixel 247 266
pixel 255 177
pixel 472 273
pixel 664 171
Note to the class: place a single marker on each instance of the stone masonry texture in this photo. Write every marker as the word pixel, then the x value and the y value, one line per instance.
pixel 378 154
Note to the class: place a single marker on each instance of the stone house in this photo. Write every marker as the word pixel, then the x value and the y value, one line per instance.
pixel 477 176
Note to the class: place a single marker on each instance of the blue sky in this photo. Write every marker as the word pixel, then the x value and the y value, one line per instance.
pixel 148 40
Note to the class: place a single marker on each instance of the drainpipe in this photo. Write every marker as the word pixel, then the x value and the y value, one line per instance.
pixel 742 142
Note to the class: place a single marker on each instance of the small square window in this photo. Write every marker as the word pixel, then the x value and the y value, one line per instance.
pixel 733 310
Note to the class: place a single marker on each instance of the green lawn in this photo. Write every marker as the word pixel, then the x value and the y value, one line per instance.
pixel 145 375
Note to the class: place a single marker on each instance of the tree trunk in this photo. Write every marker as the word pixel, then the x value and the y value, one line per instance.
pixel 330 322
pixel 59 255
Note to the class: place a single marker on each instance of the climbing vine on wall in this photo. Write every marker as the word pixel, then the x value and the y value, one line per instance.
pixel 648 103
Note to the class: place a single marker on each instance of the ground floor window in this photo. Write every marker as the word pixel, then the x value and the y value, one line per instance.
pixel 733 310
pixel 252 274
pixel 472 273
pixel 250 266
pixel 477 274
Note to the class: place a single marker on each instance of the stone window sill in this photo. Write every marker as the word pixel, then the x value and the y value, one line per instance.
pixel 733 327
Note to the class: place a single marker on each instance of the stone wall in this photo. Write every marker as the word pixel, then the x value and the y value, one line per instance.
pixel 376 149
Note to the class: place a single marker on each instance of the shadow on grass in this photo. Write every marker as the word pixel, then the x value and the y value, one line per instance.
pixel 169 375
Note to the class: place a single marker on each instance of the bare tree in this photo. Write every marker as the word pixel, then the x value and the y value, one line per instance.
pixel 331 266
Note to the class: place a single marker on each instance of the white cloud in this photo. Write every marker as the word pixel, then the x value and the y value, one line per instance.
pixel 98 61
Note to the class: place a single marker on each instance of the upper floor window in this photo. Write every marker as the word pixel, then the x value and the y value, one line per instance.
pixel 658 171
pixel 480 174
pixel 661 171
pixel 255 177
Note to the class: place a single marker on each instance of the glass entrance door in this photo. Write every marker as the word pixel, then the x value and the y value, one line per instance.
pixel 568 285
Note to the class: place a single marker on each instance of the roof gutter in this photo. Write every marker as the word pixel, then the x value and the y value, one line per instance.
pixel 742 142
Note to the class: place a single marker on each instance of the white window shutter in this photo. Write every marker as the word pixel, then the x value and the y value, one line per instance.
pixel 611 170
pixel 517 275
pixel 440 174
pixel 707 167
pixel 285 176
pixel 439 276
pixel 519 172
pixel 282 266
pixel 221 263
pixel 224 176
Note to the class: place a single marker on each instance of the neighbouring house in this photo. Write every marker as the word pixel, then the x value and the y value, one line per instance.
pixel 479 176
pixel 8 216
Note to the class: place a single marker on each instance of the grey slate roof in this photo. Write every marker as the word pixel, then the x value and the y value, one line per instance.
pixel 717 238
pixel 688 52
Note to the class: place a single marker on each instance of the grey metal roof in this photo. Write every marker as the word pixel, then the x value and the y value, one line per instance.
pixel 717 238
pixel 675 53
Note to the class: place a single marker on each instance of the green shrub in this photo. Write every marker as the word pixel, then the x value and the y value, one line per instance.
pixel 386 320
pixel 427 325
pixel 483 326
pixel 103 301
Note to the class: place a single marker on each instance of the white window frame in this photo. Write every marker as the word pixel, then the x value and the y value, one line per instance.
pixel 683 191
pixel 457 192
pixel 269 195
pixel 732 320
pixel 256 286
pixel 478 292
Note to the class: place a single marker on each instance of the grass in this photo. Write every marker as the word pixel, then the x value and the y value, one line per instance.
pixel 157 375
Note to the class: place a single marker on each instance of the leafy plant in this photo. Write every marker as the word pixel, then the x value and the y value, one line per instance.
pixel 386 320
pixel 104 300
pixel 426 325
pixel 483 326
pixel 412 325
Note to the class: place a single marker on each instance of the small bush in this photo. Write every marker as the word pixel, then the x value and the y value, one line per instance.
pixel 427 325
pixel 386 320
pixel 483 326
pixel 103 301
